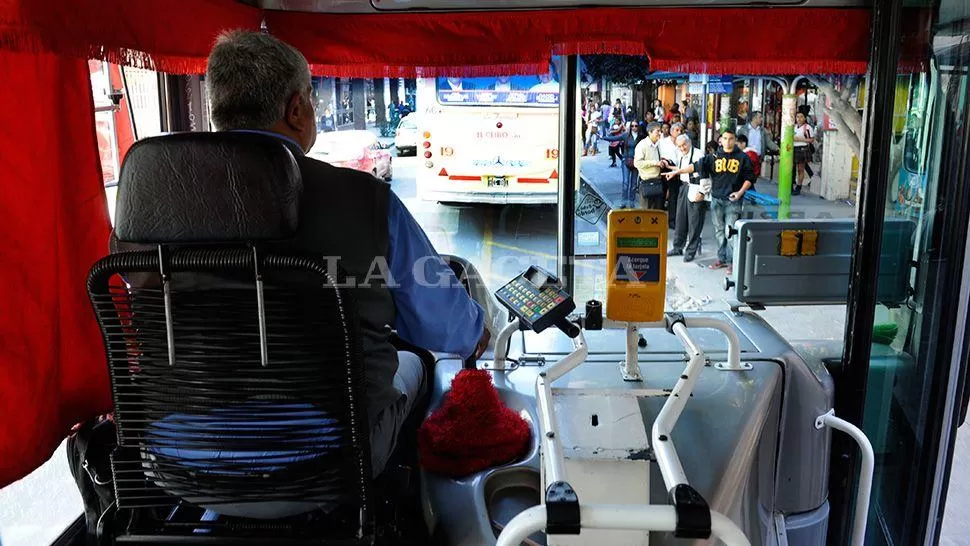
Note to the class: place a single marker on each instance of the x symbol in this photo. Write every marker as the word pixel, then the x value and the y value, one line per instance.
pixel 654 220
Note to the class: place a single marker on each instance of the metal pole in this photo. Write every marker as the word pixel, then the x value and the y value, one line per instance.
pixel 568 168
pixel 852 376
pixel 786 157
pixel 630 368
pixel 703 116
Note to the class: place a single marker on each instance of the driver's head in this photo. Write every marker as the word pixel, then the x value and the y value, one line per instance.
pixel 255 81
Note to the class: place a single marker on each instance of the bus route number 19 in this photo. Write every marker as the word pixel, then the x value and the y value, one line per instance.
pixel 552 153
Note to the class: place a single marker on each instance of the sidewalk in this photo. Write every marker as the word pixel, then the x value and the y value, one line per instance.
pixel 700 288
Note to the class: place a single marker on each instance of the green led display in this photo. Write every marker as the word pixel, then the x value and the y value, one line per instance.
pixel 637 242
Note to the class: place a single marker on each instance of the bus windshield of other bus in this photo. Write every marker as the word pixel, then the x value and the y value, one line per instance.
pixel 490 139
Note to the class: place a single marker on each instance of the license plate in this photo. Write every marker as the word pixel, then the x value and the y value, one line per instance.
pixel 496 181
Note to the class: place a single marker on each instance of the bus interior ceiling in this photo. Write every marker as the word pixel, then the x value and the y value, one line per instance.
pixel 839 296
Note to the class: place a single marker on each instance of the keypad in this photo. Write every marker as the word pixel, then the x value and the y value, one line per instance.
pixel 529 301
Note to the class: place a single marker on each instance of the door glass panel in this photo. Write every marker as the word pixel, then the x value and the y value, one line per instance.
pixel 708 105
pixel 907 366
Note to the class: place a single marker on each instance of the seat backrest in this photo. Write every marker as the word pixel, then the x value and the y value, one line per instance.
pixel 234 362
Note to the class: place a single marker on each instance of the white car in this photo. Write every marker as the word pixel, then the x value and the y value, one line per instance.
pixel 406 136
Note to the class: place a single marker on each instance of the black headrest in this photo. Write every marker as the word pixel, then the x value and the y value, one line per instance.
pixel 208 187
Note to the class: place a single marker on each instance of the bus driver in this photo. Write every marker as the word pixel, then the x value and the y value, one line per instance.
pixel 259 84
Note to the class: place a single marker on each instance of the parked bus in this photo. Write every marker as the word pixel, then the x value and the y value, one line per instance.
pixel 490 139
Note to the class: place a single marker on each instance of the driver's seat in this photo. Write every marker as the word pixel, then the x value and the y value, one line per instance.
pixel 234 361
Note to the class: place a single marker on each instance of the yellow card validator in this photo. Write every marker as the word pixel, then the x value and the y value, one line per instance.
pixel 636 258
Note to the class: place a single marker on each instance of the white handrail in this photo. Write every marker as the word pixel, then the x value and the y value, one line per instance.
pixel 865 472
pixel 642 517
pixel 663 425
pixel 734 342
pixel 554 459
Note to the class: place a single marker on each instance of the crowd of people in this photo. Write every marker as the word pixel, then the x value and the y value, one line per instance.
pixel 664 169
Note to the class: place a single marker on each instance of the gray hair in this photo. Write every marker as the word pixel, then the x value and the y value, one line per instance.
pixel 679 124
pixel 682 138
pixel 653 125
pixel 249 78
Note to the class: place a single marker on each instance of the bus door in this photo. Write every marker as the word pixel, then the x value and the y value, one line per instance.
pixel 913 377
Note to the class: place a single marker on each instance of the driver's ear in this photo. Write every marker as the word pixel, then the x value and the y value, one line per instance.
pixel 295 111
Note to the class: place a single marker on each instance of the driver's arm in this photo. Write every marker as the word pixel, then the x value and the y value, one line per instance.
pixel 434 311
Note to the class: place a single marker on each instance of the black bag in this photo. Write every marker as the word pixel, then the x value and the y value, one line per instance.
pixel 652 188
pixel 89 456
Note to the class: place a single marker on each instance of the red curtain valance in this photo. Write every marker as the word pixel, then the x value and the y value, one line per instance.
pixel 711 40
pixel 176 35
pixel 165 35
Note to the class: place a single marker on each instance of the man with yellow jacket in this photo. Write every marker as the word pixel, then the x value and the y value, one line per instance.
pixel 646 159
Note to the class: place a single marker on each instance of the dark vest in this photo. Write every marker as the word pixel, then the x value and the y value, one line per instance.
pixel 344 214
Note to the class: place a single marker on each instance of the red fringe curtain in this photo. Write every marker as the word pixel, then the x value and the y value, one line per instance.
pixel 54 226
pixel 165 35
pixel 176 35
pixel 711 40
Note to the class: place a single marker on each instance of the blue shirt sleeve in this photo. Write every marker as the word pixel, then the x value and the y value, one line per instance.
pixel 434 311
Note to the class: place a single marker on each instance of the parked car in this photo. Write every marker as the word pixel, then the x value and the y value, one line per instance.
pixel 358 150
pixel 406 137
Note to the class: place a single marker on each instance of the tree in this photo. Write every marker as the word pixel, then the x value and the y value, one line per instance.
pixel 840 108
pixel 621 69
pixel 848 121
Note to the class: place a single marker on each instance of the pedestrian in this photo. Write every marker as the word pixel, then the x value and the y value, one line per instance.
pixel 618 108
pixel 693 205
pixel 630 175
pixel 646 159
pixel 605 111
pixel 689 114
pixel 674 111
pixel 592 134
pixel 752 155
pixel 692 130
pixel 327 122
pixel 665 129
pixel 627 146
pixel 658 110
pixel 670 155
pixel 649 117
pixel 617 114
pixel 731 176
pixel 616 131
pixel 759 138
pixel 804 137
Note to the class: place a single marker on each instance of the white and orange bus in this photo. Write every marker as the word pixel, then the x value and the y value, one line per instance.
pixel 489 140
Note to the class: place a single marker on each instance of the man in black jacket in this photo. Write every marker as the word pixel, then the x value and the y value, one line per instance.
pixel 731 174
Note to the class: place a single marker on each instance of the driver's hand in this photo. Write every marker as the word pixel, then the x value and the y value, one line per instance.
pixel 482 343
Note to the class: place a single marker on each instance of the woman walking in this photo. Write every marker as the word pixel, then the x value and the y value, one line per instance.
pixel 804 137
